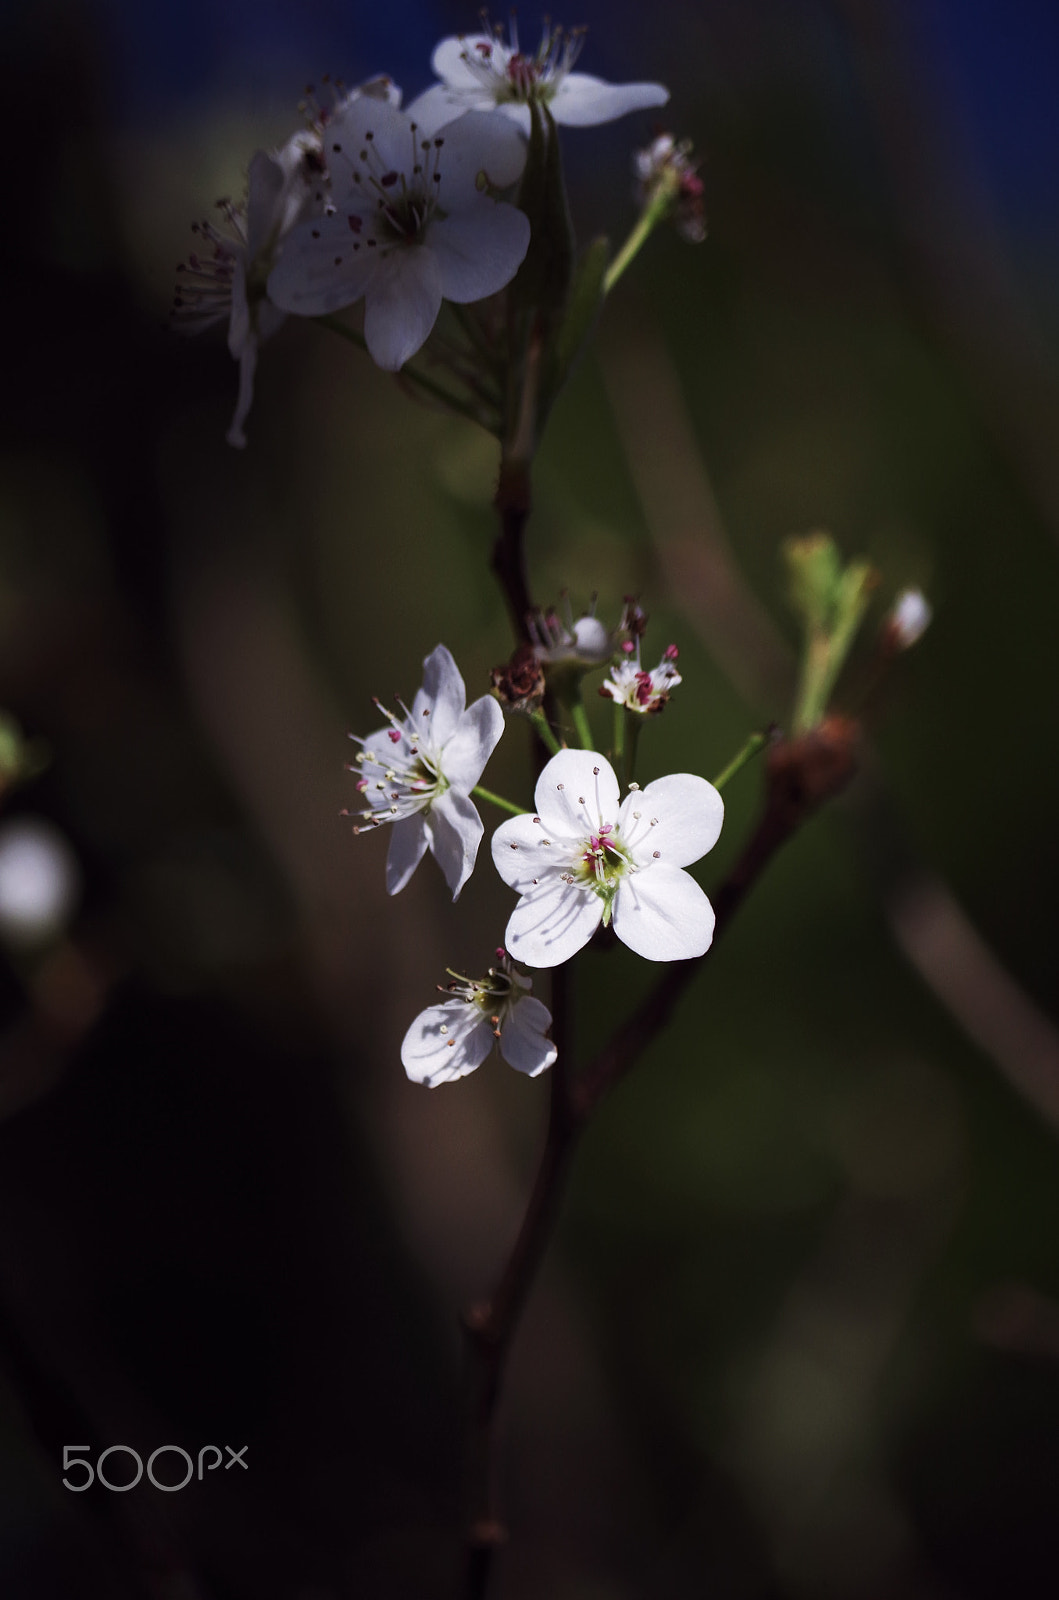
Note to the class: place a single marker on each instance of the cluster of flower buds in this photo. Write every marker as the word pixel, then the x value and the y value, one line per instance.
pixel 667 180
pixel 562 648
pixel 399 208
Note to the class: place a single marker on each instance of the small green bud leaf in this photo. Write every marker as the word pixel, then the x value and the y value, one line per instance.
pixel 831 601
pixel 815 572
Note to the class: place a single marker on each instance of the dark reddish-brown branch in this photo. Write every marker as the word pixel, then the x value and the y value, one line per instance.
pixel 512 503
pixel 801 774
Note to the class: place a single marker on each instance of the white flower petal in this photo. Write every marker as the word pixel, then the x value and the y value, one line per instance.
pixel 378 88
pixel 236 434
pixel 689 810
pixel 663 915
pixel 478 141
pixel 448 59
pixel 239 326
pixel 569 777
pixel 384 751
pixel 522 1037
pixel 581 101
pixel 436 107
pixel 479 250
pixel 374 126
pixel 268 319
pixel 552 923
pixel 521 856
pixel 438 706
pixel 265 185
pixel 319 270
pixel 474 741
pixel 445 1042
pixel 455 831
pixel 408 843
pixel 401 305
pixel 517 113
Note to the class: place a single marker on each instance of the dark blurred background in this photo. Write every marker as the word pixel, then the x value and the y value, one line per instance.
pixel 799 1336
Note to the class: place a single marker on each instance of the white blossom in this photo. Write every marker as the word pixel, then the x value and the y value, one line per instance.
pixel 447 1041
pixel 410 223
pixel 418 773
pixel 643 692
pixel 229 282
pixel 482 71
pixel 587 857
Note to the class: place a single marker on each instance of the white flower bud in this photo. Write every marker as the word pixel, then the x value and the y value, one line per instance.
pixel 39 882
pixel 910 618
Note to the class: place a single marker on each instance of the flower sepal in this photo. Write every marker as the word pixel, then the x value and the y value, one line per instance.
pixel 544 277
pixel 831 600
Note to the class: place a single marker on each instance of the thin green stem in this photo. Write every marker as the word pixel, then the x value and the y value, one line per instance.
pixel 581 724
pixel 632 723
pixel 437 391
pixel 646 225
pixel 498 800
pixel 619 742
pixel 544 731
pixel 819 671
pixel 753 746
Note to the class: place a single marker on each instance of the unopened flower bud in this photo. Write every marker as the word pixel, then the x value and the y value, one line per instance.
pixel 561 642
pixel 519 683
pixel 39 882
pixel 909 619
pixel 634 618
pixel 667 178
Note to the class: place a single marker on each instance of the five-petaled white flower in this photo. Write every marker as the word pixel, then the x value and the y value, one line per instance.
pixel 481 70
pixel 410 223
pixel 447 1041
pixel 588 857
pixel 230 283
pixel 643 692
pixel 418 774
